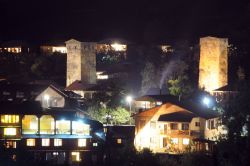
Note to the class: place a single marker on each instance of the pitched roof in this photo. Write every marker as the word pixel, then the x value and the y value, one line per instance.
pixel 196 109
pixel 181 116
pixel 79 85
pixel 152 98
pixel 228 88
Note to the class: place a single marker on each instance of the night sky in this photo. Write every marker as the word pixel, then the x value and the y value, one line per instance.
pixel 140 21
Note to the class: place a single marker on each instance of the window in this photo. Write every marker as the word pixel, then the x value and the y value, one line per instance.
pixel 174 140
pixel 10 131
pixel 47 124
pixel 119 140
pixel 174 126
pixel 185 141
pixel 197 124
pixel 81 142
pixel 185 126
pixel 10 144
pixel 57 142
pixel 10 119
pixel 63 127
pixel 29 124
pixel 75 156
pixel 30 142
pixel 45 142
pixel 95 144
pixel 80 128
pixel 152 124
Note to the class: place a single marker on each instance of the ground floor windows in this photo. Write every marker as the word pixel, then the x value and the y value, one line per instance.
pixel 10 131
pixel 45 142
pixel 30 142
pixel 75 156
pixel 82 142
pixel 95 144
pixel 57 142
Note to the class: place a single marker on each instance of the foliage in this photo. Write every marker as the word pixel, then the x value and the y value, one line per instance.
pixel 236 148
pixel 120 116
pixel 179 87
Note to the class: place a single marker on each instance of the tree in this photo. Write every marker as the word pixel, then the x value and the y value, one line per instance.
pixel 179 87
pixel 120 116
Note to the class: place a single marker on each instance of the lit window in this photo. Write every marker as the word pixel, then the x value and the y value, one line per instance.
pixel 9 118
pixel 119 140
pixel 10 144
pixel 63 127
pixel 29 124
pixel 9 131
pixel 80 128
pixel 75 156
pixel 47 124
pixel 185 141
pixel 30 142
pixel 57 142
pixel 174 140
pixel 81 142
pixel 45 142
pixel 95 144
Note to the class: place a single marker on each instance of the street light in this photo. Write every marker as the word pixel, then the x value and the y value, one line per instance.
pixel 206 101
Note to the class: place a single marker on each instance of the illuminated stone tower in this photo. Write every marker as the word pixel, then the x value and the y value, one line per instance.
pixel 81 62
pixel 213 65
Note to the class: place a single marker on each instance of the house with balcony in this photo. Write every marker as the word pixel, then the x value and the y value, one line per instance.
pixel 177 127
pixel 55 135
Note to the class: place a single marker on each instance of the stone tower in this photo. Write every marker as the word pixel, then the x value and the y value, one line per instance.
pixel 81 62
pixel 213 66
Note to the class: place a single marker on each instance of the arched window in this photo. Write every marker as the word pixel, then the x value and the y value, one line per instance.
pixel 47 124
pixel 29 124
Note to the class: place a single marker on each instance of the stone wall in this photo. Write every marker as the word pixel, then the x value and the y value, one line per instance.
pixel 213 66
pixel 81 62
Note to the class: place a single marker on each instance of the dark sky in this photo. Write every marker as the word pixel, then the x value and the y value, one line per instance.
pixel 143 21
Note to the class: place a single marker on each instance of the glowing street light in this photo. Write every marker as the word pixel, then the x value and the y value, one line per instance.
pixel 206 101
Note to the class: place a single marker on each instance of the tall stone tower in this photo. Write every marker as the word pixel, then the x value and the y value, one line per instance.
pixel 213 67
pixel 81 62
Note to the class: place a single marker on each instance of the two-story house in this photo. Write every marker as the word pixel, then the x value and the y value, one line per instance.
pixel 176 127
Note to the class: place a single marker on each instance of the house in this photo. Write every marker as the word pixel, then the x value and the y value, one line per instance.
pixel 55 135
pixel 176 127
pixel 149 101
pixel 15 46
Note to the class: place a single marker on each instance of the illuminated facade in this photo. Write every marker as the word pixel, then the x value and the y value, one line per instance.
pixel 174 128
pixel 81 62
pixel 56 135
pixel 213 65
pixel 53 49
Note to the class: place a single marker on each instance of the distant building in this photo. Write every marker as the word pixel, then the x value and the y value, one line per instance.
pixel 53 47
pixel 15 47
pixel 176 127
